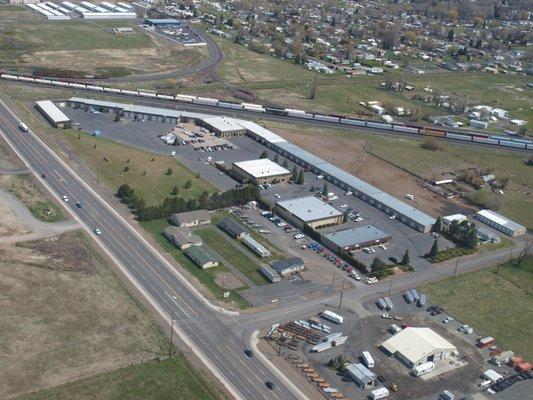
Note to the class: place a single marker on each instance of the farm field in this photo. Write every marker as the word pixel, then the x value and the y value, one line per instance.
pixel 171 379
pixel 31 44
pixel 481 298
pixel 148 178
pixel 65 316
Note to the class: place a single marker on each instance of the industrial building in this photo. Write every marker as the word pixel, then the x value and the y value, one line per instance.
pixel 383 201
pixel 223 126
pixel 88 10
pixel 309 211
pixel 191 218
pixel 500 223
pixel 346 240
pixel 261 171
pixel 255 246
pixel 182 238
pixel 233 228
pixel 162 22
pixel 202 257
pixel 361 375
pixel 288 266
pixel 53 114
pixel 415 346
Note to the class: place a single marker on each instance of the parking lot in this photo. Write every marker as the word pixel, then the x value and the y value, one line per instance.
pixel 178 34
pixel 459 375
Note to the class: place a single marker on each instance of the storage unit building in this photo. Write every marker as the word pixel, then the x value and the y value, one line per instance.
pixel 269 273
pixel 191 218
pixel 182 238
pixel 415 346
pixel 53 114
pixel 223 126
pixel 346 240
pixel 361 375
pixel 255 246
pixel 500 223
pixel 202 257
pixel 288 266
pixel 309 211
pixel 261 171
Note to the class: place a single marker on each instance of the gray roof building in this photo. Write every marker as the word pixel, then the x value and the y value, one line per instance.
pixel 202 257
pixel 310 209
pixel 233 228
pixel 288 265
pixel 191 218
pixel 361 375
pixel 181 237
pixel 269 273
pixel 354 238
pixel 255 246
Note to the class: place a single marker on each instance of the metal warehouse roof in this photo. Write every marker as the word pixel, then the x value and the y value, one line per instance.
pixel 262 167
pixel 349 179
pixel 301 153
pixel 52 111
pixel 163 21
pixel 415 344
pixel 361 373
pixel 223 124
pixel 153 111
pixel 98 103
pixel 500 220
pixel 309 208
pixel 263 133
pixel 255 244
pixel 351 236
pixel 405 209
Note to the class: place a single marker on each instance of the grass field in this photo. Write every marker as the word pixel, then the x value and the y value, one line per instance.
pixel 28 43
pixel 65 316
pixel 148 178
pixel 206 276
pixel 494 301
pixel 171 379
pixel 23 187
pixel 214 239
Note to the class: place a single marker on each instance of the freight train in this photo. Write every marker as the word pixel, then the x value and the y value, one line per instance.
pixel 494 140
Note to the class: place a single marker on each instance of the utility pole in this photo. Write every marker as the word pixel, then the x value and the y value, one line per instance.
pixel 456 265
pixel 511 253
pixel 333 279
pixel 90 252
pixel 390 286
pixel 342 293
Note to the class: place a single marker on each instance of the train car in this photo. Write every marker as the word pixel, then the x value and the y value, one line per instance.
pixel 253 107
pixel 378 125
pixel 529 146
pixel 184 98
pixel 415 126
pixel 521 140
pixel 59 83
pixel 497 137
pixel 26 79
pixel 10 77
pixel 76 85
pixel 276 111
pixel 432 131
pixel 111 90
pixel 507 143
pixel 95 88
pixel 165 97
pixel 326 118
pixel 352 121
pixel 205 101
pixel 480 135
pixel 298 113
pixel 130 92
pixel 455 136
pixel 148 94
pixel 484 140
pixel 338 116
pixel 43 81
pixel 405 129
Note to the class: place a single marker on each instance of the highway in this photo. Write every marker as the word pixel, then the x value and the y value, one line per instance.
pixel 195 320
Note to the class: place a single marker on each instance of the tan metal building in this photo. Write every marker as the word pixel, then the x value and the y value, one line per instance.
pixel 309 211
pixel 261 171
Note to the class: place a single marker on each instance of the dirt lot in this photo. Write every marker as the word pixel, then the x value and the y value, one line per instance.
pixel 63 318
pixel 345 152
pixel 9 223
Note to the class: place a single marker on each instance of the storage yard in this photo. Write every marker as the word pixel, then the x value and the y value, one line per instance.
pixel 348 355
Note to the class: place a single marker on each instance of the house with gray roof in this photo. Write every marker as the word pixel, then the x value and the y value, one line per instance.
pixel 181 237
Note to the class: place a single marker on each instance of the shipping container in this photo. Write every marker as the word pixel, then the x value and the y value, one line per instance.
pixel 422 300
pixel 381 304
pixel 388 302
pixel 415 294
pixel 408 296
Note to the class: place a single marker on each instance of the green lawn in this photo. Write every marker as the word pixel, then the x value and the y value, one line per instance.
pixel 498 304
pixel 148 178
pixel 206 276
pixel 213 238
pixel 171 379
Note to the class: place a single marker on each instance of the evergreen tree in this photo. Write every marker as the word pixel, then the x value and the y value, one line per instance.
pixel 434 250
pixel 378 268
pixel 454 228
pixel 405 259
pixel 169 171
pixel 294 173
pixel 300 179
pixel 451 35
pixel 264 154
pixel 437 226
pixel 276 159
pixel 325 189
pixel 188 184
pixel 285 164
pixel 124 190
pixel 175 191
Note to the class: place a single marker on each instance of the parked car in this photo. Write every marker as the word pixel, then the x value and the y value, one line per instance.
pixel 270 385
pixel 447 320
pixel 248 352
pixel 97 231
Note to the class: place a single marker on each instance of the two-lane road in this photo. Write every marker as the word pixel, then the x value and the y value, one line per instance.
pixel 196 321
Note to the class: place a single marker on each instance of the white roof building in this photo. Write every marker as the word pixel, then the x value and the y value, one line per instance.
pixel 415 346
pixel 261 168
pixel 52 112
pixel 500 223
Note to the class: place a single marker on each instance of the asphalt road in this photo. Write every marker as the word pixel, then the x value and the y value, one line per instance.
pixel 206 328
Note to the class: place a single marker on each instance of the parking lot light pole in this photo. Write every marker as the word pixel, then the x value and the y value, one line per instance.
pixel 456 265
pixel 342 292
pixel 390 286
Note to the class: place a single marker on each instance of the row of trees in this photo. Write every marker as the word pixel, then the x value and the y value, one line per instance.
pixel 175 204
